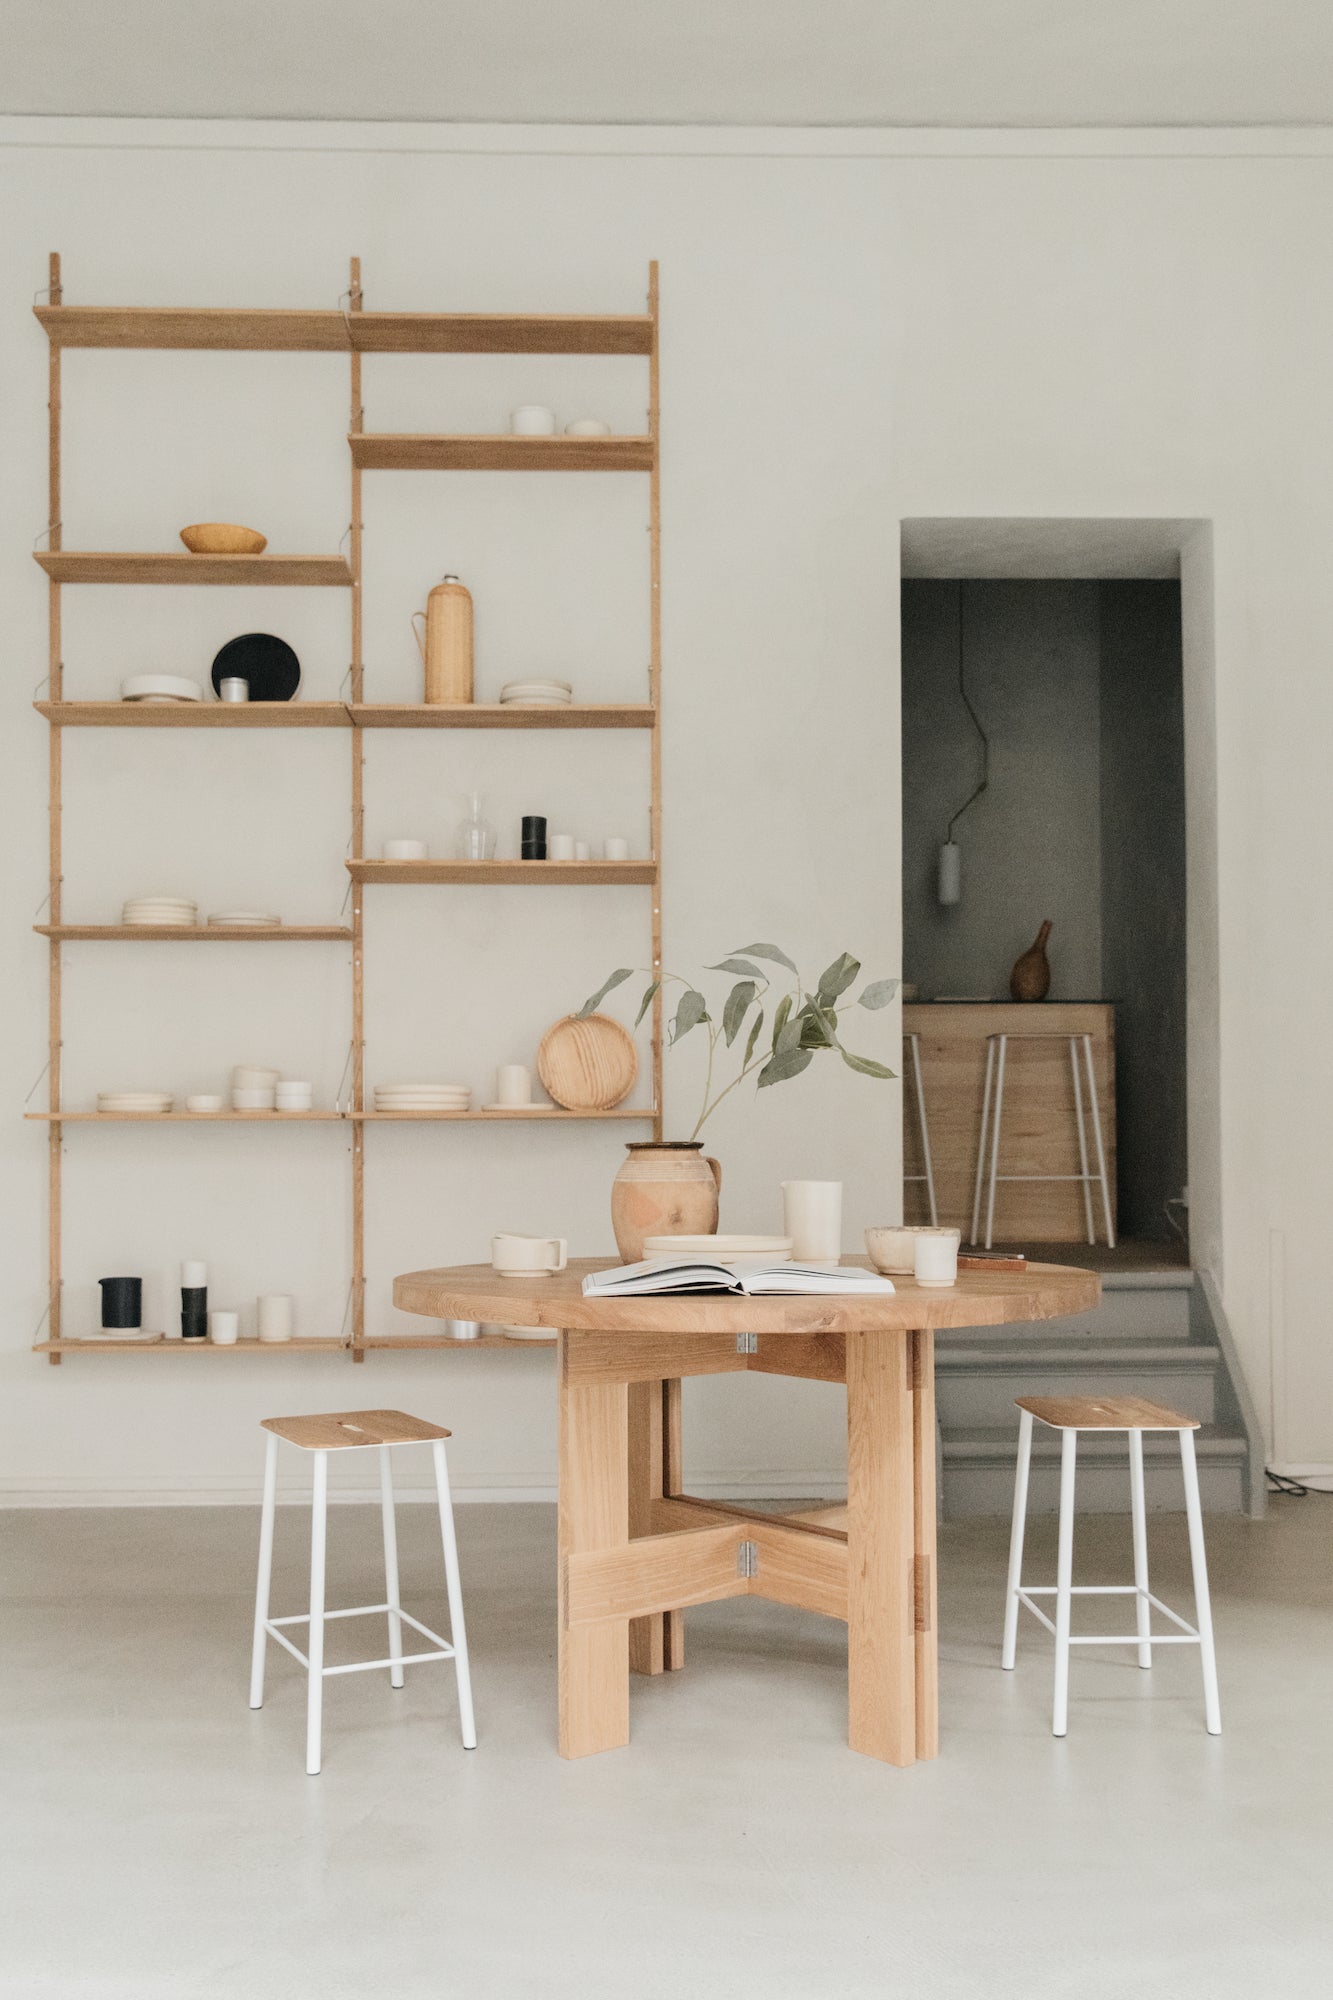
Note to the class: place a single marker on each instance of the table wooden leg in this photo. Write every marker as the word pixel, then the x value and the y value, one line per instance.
pixel 593 1515
pixel 647 1637
pixel 673 1481
pixel 924 1512
pixel 881 1621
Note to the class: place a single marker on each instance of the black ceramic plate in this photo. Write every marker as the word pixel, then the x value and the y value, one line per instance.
pixel 269 664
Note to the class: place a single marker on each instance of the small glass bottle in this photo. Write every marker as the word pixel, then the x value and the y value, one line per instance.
pixel 475 840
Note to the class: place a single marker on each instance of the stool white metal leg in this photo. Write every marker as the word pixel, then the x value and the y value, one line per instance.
pixel 265 1573
pixel 319 1513
pixel 1203 1605
pixel 996 1110
pixel 912 1044
pixel 1139 1510
pixel 1016 1534
pixel 457 1628
pixel 1064 1582
pixel 391 1570
pixel 1097 1140
pixel 975 1237
pixel 1082 1136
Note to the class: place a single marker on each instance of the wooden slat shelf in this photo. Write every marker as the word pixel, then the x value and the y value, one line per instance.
pixel 196 714
pixel 195 933
pixel 494 715
pixel 197 1346
pixel 333 332
pixel 438 1341
pixel 506 1117
pixel 187 1117
pixel 550 874
pixel 384 451
pixel 170 566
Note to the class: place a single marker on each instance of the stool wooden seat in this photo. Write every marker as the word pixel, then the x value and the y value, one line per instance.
pixel 357 1430
pixel 1133 1415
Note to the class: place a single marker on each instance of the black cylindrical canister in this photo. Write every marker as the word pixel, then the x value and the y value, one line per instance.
pixel 534 837
pixel 122 1302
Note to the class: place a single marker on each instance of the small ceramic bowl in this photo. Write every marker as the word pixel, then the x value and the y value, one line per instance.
pixel 223 538
pixel 587 427
pixel 253 1100
pixel 404 850
pixel 205 1101
pixel 892 1250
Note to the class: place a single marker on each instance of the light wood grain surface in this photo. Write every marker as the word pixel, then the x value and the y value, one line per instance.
pixel 1105 1413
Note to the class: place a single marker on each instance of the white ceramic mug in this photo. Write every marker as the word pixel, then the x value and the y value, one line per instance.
pixel 528 1256
pixel 277 1316
pixel 936 1256
pixel 223 1328
pixel 582 851
pixel 233 688
pixel 404 850
pixel 812 1212
pixel 532 420
pixel 513 1084
pixel 615 849
pixel 559 847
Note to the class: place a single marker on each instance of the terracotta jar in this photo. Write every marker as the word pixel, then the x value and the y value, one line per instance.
pixel 1031 976
pixel 665 1188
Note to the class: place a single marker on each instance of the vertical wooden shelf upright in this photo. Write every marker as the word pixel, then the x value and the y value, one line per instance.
pixel 357 333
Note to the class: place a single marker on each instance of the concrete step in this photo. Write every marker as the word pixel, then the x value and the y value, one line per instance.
pixel 979 1470
pixel 978 1385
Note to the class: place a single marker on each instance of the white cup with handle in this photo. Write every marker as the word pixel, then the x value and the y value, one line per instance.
pixel 812 1213
pixel 528 1256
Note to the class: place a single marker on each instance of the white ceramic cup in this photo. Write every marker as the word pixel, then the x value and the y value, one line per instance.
pixel 513 1084
pixel 559 847
pixel 233 688
pixel 528 1256
pixel 892 1249
pixel 615 849
pixel 254 1100
pixel 532 420
pixel 587 427
pixel 936 1256
pixel 582 851
pixel 194 1276
pixel 404 850
pixel 224 1328
pixel 812 1213
pixel 277 1316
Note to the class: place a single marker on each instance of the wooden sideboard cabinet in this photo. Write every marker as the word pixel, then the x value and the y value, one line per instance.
pixel 1039 1134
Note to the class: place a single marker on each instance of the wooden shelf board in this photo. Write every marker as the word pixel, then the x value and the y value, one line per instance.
pixel 172 566
pixel 195 1346
pixel 196 714
pixel 494 715
pixel 385 451
pixel 188 1117
pixel 334 332
pixel 195 934
pixel 517 1115
pixel 565 874
pixel 439 1341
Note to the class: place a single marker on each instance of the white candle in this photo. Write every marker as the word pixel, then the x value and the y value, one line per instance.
pixel 277 1314
pixel 936 1256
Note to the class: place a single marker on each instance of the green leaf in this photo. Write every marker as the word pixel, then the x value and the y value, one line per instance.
pixel 768 951
pixel 836 978
pixel 693 1008
pixel 591 1006
pixel 863 1065
pixel 789 1036
pixel 780 1020
pixel 740 965
pixel 646 1001
pixel 817 1026
pixel 739 1001
pixel 878 993
pixel 790 1063
pixel 754 1037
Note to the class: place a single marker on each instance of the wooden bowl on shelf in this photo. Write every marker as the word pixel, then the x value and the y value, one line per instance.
pixel 223 538
pixel 589 1064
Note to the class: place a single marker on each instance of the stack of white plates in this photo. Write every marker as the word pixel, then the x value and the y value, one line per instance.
pixel 121 1333
pixel 536 694
pixel 244 920
pixel 160 687
pixel 134 1100
pixel 423 1097
pixel 167 912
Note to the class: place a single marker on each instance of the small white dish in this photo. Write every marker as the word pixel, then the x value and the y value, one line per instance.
pixel 160 687
pixel 587 427
pixel 250 919
pixel 404 850
pixel 778 1248
pixel 254 1100
pixel 206 1101
pixel 523 1110
pixel 532 420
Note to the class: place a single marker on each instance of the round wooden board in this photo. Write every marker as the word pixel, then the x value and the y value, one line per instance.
pixel 589 1064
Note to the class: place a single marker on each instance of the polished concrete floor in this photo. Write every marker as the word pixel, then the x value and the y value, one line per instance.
pixel 163 1843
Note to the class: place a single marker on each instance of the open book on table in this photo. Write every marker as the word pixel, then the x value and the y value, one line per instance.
pixel 748 1276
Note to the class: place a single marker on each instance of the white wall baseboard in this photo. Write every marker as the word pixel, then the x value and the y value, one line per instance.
pixel 64 1492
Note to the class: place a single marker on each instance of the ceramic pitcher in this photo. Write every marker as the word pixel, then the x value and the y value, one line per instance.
pixel 665 1188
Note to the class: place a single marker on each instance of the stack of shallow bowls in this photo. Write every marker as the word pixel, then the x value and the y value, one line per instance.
pixel 135 1100
pixel 423 1097
pixel 249 920
pixel 293 1094
pixel 165 912
pixel 156 688
pixel 253 1089
pixel 539 693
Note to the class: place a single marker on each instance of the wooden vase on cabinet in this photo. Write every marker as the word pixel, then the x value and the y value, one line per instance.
pixel 665 1188
pixel 1031 976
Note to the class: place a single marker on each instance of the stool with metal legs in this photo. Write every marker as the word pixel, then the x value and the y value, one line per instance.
pixel 992 1106
pixel 912 1054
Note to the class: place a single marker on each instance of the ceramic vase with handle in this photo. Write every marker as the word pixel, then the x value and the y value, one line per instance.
pixel 446 649
pixel 665 1188
pixel 1031 976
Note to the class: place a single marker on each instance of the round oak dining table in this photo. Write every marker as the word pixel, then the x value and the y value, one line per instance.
pixel 635 1549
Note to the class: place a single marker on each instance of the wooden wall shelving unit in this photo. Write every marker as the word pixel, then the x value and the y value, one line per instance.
pixel 355 333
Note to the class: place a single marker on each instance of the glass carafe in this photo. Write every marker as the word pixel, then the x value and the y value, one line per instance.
pixel 475 839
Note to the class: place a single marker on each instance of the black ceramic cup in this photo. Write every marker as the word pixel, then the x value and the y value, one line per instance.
pixel 534 837
pixel 122 1302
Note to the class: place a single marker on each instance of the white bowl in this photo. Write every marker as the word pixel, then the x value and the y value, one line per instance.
pixel 206 1101
pixel 532 420
pixel 160 687
pixel 254 1100
pixel 587 427
pixel 404 850
pixel 251 919
pixel 246 1076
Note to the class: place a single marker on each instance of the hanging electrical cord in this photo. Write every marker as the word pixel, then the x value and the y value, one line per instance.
pixel 950 880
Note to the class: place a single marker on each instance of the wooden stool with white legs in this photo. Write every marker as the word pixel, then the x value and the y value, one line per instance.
pixel 992 1108
pixel 912 1054
pixel 357 1430
pixel 1133 1415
